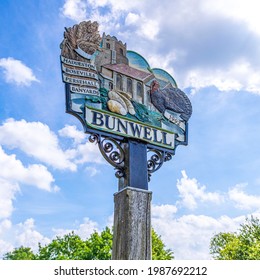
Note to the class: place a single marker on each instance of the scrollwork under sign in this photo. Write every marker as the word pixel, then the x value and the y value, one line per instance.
pixel 111 151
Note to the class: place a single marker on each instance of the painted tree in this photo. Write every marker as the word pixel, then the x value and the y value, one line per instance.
pixel 241 245
pixel 72 247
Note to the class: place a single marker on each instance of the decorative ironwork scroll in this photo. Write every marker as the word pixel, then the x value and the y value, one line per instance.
pixel 156 160
pixel 112 152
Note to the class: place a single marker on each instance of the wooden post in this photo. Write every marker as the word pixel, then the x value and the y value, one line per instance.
pixel 132 225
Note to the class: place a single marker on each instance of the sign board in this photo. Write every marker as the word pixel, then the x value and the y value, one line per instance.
pixel 114 91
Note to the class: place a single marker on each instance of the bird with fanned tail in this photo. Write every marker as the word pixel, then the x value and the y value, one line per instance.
pixel 172 99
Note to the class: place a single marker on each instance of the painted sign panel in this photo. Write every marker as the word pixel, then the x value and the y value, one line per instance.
pixel 114 124
pixel 114 90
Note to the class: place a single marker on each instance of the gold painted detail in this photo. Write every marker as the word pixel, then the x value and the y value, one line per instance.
pixel 120 103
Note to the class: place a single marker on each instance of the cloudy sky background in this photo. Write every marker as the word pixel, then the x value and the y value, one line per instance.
pixel 52 180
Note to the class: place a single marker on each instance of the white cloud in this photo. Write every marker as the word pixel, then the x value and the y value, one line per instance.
pixel 165 211
pixel 70 131
pixel 189 235
pixel 239 76
pixel 191 192
pixel 118 6
pixel 84 230
pixel 27 236
pixel 242 200
pixel 17 235
pixel 204 35
pixel 132 18
pixel 87 228
pixel 110 221
pixel 5 225
pixel 86 153
pixel 239 10
pixel 13 171
pixel 16 72
pixel 199 79
pixel 36 140
pixel 5 247
pixel 74 9
pixel 7 195
pixel 149 29
pixel 146 27
pixel 109 21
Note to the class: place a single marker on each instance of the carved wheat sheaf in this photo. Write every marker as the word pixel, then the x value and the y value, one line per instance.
pixel 81 38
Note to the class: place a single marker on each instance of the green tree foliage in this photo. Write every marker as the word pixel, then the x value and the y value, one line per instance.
pixel 159 252
pixel 67 247
pixel 72 247
pixel 241 245
pixel 22 253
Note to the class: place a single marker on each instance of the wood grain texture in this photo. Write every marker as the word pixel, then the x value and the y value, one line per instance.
pixel 132 225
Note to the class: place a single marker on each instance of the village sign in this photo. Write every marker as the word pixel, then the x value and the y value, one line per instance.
pixel 129 109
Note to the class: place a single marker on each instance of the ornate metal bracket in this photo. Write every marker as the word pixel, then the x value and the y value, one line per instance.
pixel 112 151
pixel 156 160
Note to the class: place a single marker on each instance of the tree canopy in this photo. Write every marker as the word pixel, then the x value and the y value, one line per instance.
pixel 241 245
pixel 159 252
pixel 72 247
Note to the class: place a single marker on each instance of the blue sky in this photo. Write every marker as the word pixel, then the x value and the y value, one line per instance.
pixel 52 180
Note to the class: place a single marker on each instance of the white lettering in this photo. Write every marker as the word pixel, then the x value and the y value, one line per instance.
pixel 77 63
pixel 83 90
pixel 174 120
pixel 77 81
pixel 81 73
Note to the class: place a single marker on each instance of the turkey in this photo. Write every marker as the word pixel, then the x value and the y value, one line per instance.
pixel 172 99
